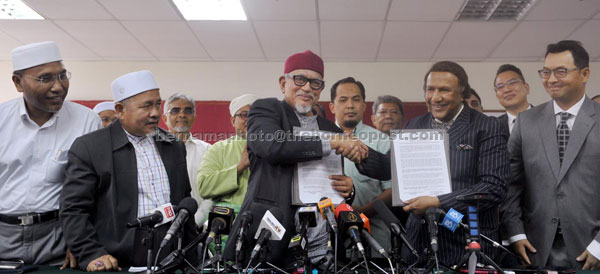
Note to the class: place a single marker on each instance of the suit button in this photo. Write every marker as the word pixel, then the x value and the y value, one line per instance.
pixel 560 195
pixel 554 220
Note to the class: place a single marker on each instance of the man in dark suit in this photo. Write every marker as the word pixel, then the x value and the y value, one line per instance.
pixel 478 162
pixel 552 211
pixel 511 92
pixel 274 155
pixel 119 173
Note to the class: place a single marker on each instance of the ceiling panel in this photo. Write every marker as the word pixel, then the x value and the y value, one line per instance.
pixel 63 9
pixel 353 9
pixel 563 10
pixel 425 10
pixel 530 38
pixel 588 35
pixel 410 40
pixel 32 31
pixel 281 39
pixel 285 10
pixel 167 40
pixel 107 38
pixel 159 10
pixel 473 39
pixel 350 40
pixel 228 40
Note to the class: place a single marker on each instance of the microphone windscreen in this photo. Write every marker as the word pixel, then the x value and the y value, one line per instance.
pixel 189 204
pixel 342 207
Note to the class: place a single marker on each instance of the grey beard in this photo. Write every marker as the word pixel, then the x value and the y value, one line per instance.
pixel 181 129
pixel 303 109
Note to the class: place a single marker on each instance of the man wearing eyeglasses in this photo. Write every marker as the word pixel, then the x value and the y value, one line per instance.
pixel 274 153
pixel 223 173
pixel 388 113
pixel 179 116
pixel 37 130
pixel 106 112
pixel 552 210
pixel 511 92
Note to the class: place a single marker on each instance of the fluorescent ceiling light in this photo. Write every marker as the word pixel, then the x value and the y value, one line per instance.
pixel 485 10
pixel 211 9
pixel 16 9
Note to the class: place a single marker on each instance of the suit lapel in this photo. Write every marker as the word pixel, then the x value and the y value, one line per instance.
pixel 581 128
pixel 460 126
pixel 547 130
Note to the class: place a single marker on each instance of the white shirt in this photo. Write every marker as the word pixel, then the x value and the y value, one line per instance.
pixel 195 150
pixel 32 166
pixel 512 119
pixel 573 110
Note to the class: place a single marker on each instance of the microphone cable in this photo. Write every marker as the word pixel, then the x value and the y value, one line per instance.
pixel 391 265
pixel 156 259
pixel 205 250
pixel 366 263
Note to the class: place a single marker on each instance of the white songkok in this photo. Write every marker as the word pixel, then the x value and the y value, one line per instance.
pixel 100 107
pixel 239 102
pixel 34 54
pixel 133 83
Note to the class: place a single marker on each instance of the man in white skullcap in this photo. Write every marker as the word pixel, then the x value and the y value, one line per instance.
pixel 119 173
pixel 179 116
pixel 223 174
pixel 37 130
pixel 106 112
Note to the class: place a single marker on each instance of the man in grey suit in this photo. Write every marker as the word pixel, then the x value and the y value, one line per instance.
pixel 552 212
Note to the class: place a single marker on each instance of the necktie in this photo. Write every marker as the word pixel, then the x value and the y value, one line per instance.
pixel 440 125
pixel 562 134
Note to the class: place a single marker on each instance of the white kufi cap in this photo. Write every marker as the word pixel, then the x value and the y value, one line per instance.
pixel 239 102
pixel 100 107
pixel 132 84
pixel 34 54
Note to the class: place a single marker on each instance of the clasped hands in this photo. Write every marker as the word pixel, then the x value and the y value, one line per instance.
pixel 349 146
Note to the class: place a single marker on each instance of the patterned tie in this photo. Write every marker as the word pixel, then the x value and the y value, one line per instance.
pixel 435 124
pixel 562 134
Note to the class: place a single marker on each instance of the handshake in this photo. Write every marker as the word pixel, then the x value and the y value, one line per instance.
pixel 349 146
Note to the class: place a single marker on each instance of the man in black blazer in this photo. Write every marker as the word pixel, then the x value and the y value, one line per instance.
pixel 273 155
pixel 108 172
pixel 511 92
pixel 478 162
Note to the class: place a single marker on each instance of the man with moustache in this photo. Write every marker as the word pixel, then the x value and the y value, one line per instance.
pixel 478 163
pixel 106 112
pixel 274 153
pixel 511 91
pixel 179 116
pixel 552 211
pixel 37 130
pixel 120 173
pixel 388 113
pixel 348 105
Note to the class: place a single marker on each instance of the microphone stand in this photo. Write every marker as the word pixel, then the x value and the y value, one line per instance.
pixel 176 259
pixel 148 241
pixel 262 259
pixel 218 257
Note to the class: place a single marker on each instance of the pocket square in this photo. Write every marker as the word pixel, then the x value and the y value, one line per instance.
pixel 464 147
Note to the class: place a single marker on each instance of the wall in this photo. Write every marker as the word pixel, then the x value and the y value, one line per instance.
pixel 222 81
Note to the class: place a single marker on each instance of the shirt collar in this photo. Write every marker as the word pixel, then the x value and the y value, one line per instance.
pixel 455 116
pixel 572 110
pixel 25 115
pixel 357 128
pixel 513 117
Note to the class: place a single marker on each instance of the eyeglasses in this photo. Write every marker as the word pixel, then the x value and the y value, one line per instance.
pixel 177 110
pixel 558 72
pixel 243 115
pixel 385 112
pixel 300 80
pixel 510 83
pixel 50 79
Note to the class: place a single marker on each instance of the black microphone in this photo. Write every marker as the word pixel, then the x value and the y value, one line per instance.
pixel 187 206
pixel 432 214
pixel 245 221
pixel 161 215
pixel 351 224
pixel 270 228
pixel 393 224
pixel 219 221
pixel 326 207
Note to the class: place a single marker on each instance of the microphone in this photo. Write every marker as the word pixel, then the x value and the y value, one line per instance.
pixel 393 223
pixel 245 220
pixel 161 215
pixel 431 214
pixel 366 233
pixel 326 207
pixel 187 207
pixel 270 228
pixel 219 221
pixel 307 216
pixel 351 224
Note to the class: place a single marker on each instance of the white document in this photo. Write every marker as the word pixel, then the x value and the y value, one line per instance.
pixel 311 179
pixel 420 164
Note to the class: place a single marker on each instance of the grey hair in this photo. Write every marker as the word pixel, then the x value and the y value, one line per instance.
pixel 178 96
pixel 388 99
